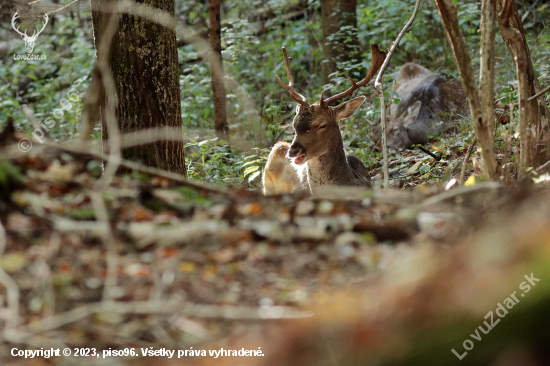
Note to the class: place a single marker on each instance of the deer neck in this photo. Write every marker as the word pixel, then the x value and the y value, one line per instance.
pixel 330 168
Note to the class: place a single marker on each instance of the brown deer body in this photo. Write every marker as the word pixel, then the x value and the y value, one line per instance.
pixel 428 101
pixel 318 145
pixel 317 152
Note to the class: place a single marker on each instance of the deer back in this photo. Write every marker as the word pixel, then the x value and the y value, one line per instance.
pixel 428 101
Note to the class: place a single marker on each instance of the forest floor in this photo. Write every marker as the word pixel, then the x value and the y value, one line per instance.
pixel 151 260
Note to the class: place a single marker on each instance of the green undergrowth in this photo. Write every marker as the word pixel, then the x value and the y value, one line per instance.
pixel 258 108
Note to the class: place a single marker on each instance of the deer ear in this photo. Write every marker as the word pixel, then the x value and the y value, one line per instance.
pixel 297 108
pixel 412 112
pixel 347 109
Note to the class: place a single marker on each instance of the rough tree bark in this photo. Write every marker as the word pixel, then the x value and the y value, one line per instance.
pixel 336 14
pixel 536 110
pixel 528 124
pixel 487 64
pixel 482 126
pixel 144 65
pixel 218 87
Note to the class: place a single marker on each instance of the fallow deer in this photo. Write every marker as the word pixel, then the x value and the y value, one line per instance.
pixel 317 154
pixel 428 101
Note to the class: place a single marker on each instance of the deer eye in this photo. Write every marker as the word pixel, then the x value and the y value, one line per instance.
pixel 321 127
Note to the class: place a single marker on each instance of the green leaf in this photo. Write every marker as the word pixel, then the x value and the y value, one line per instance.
pixel 251 169
pixel 253 176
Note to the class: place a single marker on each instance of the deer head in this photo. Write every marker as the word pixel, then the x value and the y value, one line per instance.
pixel 316 125
pixel 428 101
pixel 29 40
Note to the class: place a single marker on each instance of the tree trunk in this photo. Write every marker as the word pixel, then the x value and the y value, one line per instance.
pixel 216 67
pixel 487 66
pixel 527 125
pixel 336 14
pixel 144 64
pixel 483 127
pixel 537 110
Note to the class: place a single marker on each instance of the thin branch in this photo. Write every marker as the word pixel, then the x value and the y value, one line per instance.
pixel 102 64
pixel 151 135
pixel 466 158
pixel 543 91
pixel 544 168
pixel 156 307
pixel 62 8
pixel 487 63
pixel 426 151
pixel 539 94
pixel 378 84
pixel 378 80
pixel 384 136
pixel 102 217
pixel 135 166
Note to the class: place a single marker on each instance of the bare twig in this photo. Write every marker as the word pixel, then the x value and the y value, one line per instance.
pixel 542 92
pixel 144 233
pixel 137 167
pixel 156 307
pixel 140 137
pixel 102 217
pixel 466 158
pixel 426 151
pixel 63 7
pixel 113 130
pixel 29 113
pixel 539 94
pixel 378 84
pixel 487 63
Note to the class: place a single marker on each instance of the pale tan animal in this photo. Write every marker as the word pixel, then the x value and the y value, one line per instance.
pixel 280 174
pixel 317 144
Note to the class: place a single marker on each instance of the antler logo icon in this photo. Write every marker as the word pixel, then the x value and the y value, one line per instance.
pixel 29 40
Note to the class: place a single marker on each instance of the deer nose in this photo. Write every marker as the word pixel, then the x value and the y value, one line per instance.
pixel 295 150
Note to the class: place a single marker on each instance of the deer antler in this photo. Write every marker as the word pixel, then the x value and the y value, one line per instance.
pixel 24 34
pixel 290 87
pixel 378 58
pixel 36 33
pixel 15 16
